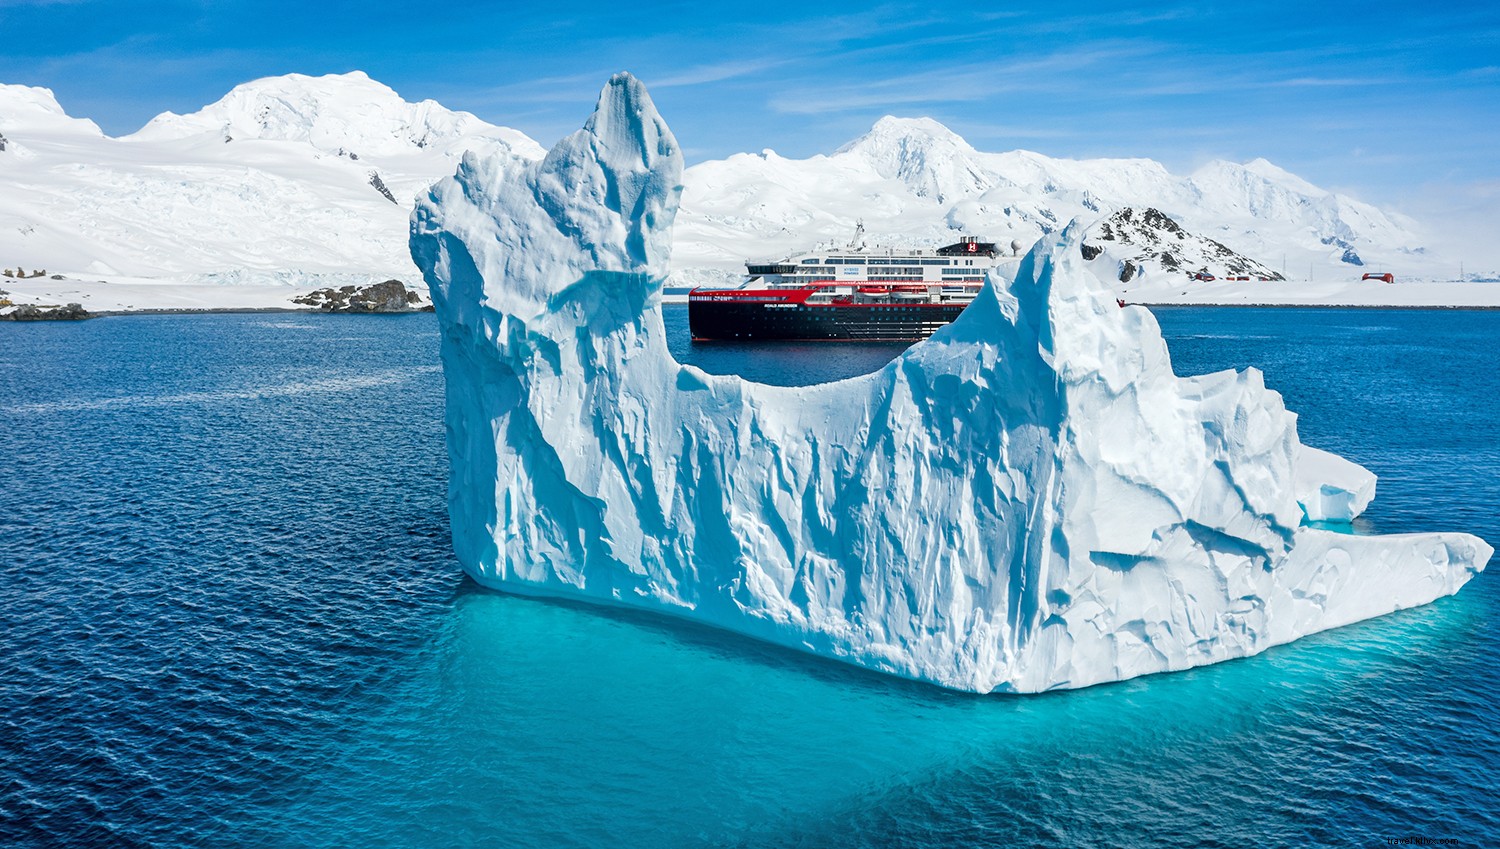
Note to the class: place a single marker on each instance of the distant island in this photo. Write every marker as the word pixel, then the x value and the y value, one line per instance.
pixel 387 297
pixel 34 312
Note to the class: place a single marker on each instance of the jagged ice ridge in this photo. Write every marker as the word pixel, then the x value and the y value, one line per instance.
pixel 1029 500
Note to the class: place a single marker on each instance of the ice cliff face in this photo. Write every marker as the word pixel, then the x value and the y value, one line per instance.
pixel 1028 500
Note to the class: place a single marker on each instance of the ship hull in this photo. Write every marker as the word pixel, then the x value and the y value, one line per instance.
pixel 727 320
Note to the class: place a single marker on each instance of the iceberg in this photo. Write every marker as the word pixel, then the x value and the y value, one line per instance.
pixel 1029 500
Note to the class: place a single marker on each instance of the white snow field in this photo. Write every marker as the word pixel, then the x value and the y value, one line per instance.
pixel 1028 500
pixel 273 191
pixel 293 183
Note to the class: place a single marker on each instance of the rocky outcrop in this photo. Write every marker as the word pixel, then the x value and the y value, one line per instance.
pixel 392 296
pixel 32 312
pixel 1148 239
pixel 380 186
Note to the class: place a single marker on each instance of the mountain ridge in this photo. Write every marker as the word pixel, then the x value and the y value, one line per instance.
pixel 299 172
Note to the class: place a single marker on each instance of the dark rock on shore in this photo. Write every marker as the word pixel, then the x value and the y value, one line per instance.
pixel 32 312
pixel 392 296
pixel 1139 236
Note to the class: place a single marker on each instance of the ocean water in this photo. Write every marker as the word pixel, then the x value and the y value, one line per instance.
pixel 231 618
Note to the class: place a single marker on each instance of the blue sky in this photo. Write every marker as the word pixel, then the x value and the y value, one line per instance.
pixel 1374 98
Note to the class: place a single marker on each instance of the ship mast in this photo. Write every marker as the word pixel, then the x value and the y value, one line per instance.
pixel 858 242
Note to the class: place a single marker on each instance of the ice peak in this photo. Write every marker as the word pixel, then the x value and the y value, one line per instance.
pixel 930 158
pixel 906 132
pixel 316 89
pixel 625 122
pixel 14 98
pixel 24 107
pixel 1257 171
pixel 929 126
pixel 598 212
pixel 336 113
pixel 1276 174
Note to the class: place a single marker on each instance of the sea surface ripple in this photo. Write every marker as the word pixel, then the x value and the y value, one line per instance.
pixel 231 618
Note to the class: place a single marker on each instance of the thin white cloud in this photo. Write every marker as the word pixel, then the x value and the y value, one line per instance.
pixel 1337 82
pixel 714 73
pixel 1480 73
pixel 963 83
pixel 538 90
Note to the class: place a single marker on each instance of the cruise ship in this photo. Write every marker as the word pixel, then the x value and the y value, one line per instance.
pixel 849 294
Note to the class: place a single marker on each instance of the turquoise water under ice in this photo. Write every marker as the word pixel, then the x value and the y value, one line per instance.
pixel 230 618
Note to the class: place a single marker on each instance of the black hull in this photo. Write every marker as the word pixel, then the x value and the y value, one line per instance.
pixel 740 322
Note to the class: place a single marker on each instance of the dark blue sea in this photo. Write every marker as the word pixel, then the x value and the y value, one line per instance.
pixel 229 617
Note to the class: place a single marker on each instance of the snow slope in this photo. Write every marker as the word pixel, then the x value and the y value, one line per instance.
pixel 1028 500
pixel 280 182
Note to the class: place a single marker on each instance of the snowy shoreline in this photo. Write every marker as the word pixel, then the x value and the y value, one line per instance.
pixel 146 296
pixel 257 305
pixel 157 297
pixel 1423 295
pixel 1318 306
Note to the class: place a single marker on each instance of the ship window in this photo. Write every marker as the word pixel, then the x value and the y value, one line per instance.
pixel 812 261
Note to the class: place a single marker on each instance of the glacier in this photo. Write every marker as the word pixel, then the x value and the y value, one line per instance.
pixel 1029 500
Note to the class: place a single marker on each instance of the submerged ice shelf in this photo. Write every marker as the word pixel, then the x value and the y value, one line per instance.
pixel 1028 500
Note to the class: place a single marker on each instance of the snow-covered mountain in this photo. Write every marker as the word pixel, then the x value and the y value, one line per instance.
pixel 296 179
pixel 310 179
pixel 914 180
pixel 346 115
